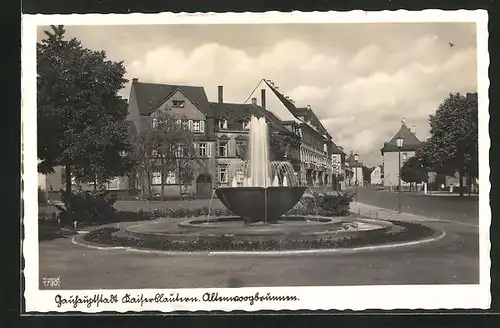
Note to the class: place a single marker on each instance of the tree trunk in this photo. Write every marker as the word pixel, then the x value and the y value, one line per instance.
pixel 68 184
pixel 461 183
pixel 162 178
pixel 180 180
pixel 469 183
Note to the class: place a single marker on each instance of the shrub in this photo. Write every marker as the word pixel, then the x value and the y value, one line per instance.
pixel 335 204
pixel 87 206
pixel 330 204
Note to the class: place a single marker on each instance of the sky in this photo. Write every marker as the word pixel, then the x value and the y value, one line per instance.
pixel 360 79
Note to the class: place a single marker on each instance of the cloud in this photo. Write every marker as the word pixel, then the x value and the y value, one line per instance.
pixel 360 80
pixel 311 93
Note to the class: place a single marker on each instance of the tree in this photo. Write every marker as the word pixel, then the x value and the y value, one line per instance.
pixel 413 171
pixel 81 118
pixel 453 144
pixel 167 147
pixel 367 171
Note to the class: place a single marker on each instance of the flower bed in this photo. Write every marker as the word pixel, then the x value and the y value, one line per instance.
pixel 406 232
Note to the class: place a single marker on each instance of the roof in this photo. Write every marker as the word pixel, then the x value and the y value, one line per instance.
pixel 410 141
pixel 298 112
pixel 236 113
pixel 151 95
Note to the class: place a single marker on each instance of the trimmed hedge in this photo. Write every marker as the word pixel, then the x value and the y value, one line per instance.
pixel 87 206
pixel 407 232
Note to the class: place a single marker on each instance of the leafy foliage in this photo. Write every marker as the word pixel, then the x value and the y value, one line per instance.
pixel 453 144
pixel 168 146
pixel 87 206
pixel 331 204
pixel 413 171
pixel 367 171
pixel 81 118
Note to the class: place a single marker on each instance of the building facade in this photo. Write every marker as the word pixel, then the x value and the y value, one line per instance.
pixel 318 160
pixel 376 175
pixel 390 155
pixel 220 132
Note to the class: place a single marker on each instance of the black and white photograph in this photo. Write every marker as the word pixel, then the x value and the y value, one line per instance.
pixel 257 161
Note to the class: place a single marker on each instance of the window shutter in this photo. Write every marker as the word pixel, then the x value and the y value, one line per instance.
pixel 209 150
pixel 202 126
pixel 190 125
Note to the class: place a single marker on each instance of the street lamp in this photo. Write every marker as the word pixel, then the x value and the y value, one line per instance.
pixel 356 157
pixel 399 144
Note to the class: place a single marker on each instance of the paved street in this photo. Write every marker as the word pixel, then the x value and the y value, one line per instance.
pixel 451 260
pixel 453 208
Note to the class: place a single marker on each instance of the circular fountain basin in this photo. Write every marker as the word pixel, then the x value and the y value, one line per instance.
pixel 256 204
pixel 236 228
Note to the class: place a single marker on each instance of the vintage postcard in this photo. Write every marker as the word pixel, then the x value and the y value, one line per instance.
pixel 256 161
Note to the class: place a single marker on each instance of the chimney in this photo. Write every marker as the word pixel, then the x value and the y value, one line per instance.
pixel 403 121
pixel 414 129
pixel 135 80
pixel 254 101
pixel 263 98
pixel 220 97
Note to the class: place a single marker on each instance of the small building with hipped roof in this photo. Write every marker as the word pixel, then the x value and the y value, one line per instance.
pixel 390 154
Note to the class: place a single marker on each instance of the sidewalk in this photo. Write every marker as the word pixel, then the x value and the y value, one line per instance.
pixel 387 214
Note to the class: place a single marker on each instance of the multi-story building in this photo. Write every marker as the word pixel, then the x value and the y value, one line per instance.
pixel 355 166
pixel 231 131
pixel 190 105
pixel 220 132
pixel 377 175
pixel 316 147
pixel 390 154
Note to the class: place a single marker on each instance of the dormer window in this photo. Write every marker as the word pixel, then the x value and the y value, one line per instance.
pixel 178 103
pixel 246 123
pixel 223 123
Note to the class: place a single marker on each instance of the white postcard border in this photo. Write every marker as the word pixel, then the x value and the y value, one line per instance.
pixel 309 298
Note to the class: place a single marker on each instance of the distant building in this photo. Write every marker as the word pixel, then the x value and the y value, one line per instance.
pixel 377 175
pixel 391 157
pixel 355 175
pixel 319 162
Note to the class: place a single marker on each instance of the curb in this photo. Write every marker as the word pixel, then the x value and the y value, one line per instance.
pixel 441 235
pixel 421 218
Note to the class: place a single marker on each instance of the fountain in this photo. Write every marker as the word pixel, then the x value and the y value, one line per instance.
pixel 259 196
pixel 270 188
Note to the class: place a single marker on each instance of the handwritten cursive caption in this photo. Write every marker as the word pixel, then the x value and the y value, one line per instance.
pixel 96 300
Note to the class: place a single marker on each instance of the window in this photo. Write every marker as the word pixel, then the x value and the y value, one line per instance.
pixel 178 103
pixel 223 148
pixel 223 178
pixel 156 178
pixel 246 124
pixel 240 176
pixel 223 123
pixel 170 179
pixel 155 123
pixel 196 126
pixel 202 150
